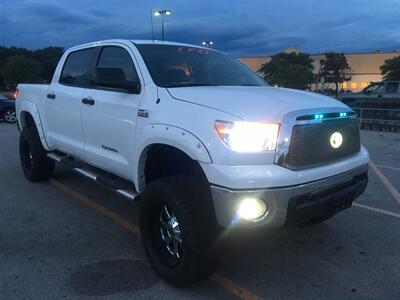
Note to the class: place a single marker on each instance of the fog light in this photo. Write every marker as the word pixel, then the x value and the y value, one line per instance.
pixel 252 209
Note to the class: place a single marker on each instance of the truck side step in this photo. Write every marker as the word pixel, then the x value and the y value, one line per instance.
pixel 113 182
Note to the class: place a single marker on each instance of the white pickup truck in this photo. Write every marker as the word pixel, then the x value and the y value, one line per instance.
pixel 204 143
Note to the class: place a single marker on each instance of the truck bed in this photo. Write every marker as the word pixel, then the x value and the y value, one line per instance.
pixel 34 93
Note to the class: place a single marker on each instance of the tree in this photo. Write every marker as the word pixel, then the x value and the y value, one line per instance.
pixel 20 69
pixel 334 69
pixel 292 70
pixel 48 58
pixel 390 70
pixel 7 52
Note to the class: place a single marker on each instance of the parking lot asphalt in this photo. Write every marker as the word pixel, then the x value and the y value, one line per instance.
pixel 70 238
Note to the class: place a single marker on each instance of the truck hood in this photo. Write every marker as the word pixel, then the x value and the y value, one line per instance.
pixel 254 102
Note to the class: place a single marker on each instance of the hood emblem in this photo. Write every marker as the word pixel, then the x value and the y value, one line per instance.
pixel 336 140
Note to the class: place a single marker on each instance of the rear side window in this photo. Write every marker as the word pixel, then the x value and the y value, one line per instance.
pixel 392 87
pixel 76 67
pixel 118 58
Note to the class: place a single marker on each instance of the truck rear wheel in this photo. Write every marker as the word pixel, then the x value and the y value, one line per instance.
pixel 34 161
pixel 179 231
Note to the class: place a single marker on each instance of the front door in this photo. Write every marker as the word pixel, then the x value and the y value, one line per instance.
pixel 109 115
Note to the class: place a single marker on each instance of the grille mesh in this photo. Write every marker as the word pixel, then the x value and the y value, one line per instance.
pixel 310 143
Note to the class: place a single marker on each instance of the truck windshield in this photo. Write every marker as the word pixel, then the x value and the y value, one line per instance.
pixel 182 66
pixel 374 88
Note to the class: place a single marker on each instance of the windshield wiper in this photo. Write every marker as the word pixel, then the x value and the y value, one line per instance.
pixel 250 84
pixel 189 84
pixel 204 84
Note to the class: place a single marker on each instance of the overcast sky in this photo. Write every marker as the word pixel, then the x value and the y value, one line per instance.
pixel 246 27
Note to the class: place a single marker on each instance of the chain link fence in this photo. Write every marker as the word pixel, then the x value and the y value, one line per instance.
pixel 379 119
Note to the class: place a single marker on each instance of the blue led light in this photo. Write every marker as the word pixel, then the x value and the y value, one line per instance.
pixel 343 114
pixel 318 117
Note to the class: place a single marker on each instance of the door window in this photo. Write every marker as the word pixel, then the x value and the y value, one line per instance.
pixel 119 63
pixel 392 87
pixel 76 67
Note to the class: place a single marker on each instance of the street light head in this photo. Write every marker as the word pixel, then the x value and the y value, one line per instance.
pixel 207 43
pixel 158 13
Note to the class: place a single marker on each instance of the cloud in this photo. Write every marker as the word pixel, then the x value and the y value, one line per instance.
pixel 54 14
pixel 239 27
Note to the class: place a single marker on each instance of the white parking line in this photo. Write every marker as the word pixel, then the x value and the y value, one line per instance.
pixel 221 280
pixel 388 167
pixel 390 187
pixel 378 210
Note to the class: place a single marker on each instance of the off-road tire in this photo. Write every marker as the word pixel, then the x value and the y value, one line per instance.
pixel 34 161
pixel 190 202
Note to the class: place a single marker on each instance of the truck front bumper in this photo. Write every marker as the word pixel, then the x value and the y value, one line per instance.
pixel 295 204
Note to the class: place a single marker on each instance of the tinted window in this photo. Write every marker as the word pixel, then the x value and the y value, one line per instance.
pixel 392 87
pixel 180 66
pixel 118 58
pixel 375 88
pixel 75 71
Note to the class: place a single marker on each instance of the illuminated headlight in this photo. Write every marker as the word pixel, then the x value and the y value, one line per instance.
pixel 248 136
pixel 252 209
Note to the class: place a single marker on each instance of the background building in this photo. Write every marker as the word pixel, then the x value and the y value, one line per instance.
pixel 364 67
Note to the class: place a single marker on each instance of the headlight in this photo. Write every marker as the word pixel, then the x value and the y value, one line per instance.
pixel 248 136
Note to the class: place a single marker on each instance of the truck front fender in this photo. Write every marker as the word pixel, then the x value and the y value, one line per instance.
pixel 28 108
pixel 181 139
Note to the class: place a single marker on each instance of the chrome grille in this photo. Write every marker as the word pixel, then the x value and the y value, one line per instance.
pixel 310 143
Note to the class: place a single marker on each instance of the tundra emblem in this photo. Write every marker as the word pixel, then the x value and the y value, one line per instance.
pixel 336 140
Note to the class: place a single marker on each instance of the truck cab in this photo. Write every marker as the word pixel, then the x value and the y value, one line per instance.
pixel 203 142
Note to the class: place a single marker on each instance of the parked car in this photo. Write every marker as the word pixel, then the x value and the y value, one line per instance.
pixel 7 110
pixel 378 105
pixel 198 138
pixel 384 94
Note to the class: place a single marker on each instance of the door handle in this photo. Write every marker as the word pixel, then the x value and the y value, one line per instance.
pixel 88 101
pixel 51 96
pixel 380 96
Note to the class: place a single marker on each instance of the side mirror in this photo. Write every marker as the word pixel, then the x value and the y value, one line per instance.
pixel 114 78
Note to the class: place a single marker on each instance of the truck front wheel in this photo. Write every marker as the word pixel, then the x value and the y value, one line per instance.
pixel 179 231
pixel 34 161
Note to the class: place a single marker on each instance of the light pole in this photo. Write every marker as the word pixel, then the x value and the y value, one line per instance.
pixel 207 44
pixel 161 13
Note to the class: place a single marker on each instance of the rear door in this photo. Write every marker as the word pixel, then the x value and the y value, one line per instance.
pixel 63 102
pixel 109 117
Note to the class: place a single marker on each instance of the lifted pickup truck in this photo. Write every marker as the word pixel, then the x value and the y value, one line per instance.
pixel 204 143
